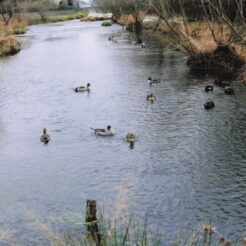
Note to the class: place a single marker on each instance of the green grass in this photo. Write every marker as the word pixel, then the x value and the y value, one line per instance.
pixel 129 233
pixel 18 31
pixel 106 23
pixel 67 17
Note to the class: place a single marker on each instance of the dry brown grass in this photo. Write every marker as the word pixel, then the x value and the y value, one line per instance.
pixel 202 37
pixel 125 20
pixel 6 30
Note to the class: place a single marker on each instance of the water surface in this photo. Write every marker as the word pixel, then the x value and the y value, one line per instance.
pixel 188 164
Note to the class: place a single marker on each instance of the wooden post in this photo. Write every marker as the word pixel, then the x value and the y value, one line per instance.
pixel 91 217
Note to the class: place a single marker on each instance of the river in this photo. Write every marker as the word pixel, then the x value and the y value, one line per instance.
pixel 188 165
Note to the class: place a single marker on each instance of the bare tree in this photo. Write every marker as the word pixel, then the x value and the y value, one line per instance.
pixel 127 7
pixel 42 7
pixel 7 10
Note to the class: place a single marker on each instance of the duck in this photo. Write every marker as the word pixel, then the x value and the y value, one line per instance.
pixel 209 88
pixel 229 91
pixel 83 88
pixel 110 38
pixel 45 138
pixel 152 81
pixel 209 104
pixel 151 98
pixel 130 137
pixel 108 131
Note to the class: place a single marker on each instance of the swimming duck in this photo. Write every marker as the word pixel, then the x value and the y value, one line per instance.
pixel 130 137
pixel 209 88
pixel 104 131
pixel 82 88
pixel 229 91
pixel 152 81
pixel 209 104
pixel 45 138
pixel 151 98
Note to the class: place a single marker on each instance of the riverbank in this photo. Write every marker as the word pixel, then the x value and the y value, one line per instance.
pixel 208 44
pixel 8 42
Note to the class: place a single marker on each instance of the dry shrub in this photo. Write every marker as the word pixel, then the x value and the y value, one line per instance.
pixel 203 37
pixel 18 24
pixel 126 20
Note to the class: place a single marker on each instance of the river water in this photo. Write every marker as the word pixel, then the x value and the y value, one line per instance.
pixel 188 165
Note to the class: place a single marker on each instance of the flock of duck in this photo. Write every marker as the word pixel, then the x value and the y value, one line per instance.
pixel 209 88
pixel 131 137
pixel 108 131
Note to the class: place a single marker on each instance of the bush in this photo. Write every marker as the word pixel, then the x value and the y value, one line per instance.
pixel 18 31
pixel 106 23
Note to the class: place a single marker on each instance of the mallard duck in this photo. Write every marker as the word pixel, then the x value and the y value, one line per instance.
pixel 229 91
pixel 104 131
pixel 151 98
pixel 130 137
pixel 209 104
pixel 209 88
pixel 45 138
pixel 82 88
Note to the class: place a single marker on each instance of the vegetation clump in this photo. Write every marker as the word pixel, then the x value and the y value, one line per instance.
pixel 19 31
pixel 9 46
pixel 106 23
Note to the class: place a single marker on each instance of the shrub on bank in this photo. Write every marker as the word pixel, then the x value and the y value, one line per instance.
pixel 9 46
pixel 106 23
pixel 18 31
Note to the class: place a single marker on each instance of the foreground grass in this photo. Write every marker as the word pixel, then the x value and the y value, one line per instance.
pixel 129 233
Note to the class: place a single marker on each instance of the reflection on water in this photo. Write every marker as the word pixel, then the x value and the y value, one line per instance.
pixel 187 166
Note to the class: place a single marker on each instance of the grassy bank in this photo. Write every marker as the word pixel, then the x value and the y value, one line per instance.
pixel 208 44
pixel 57 18
pixel 8 43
